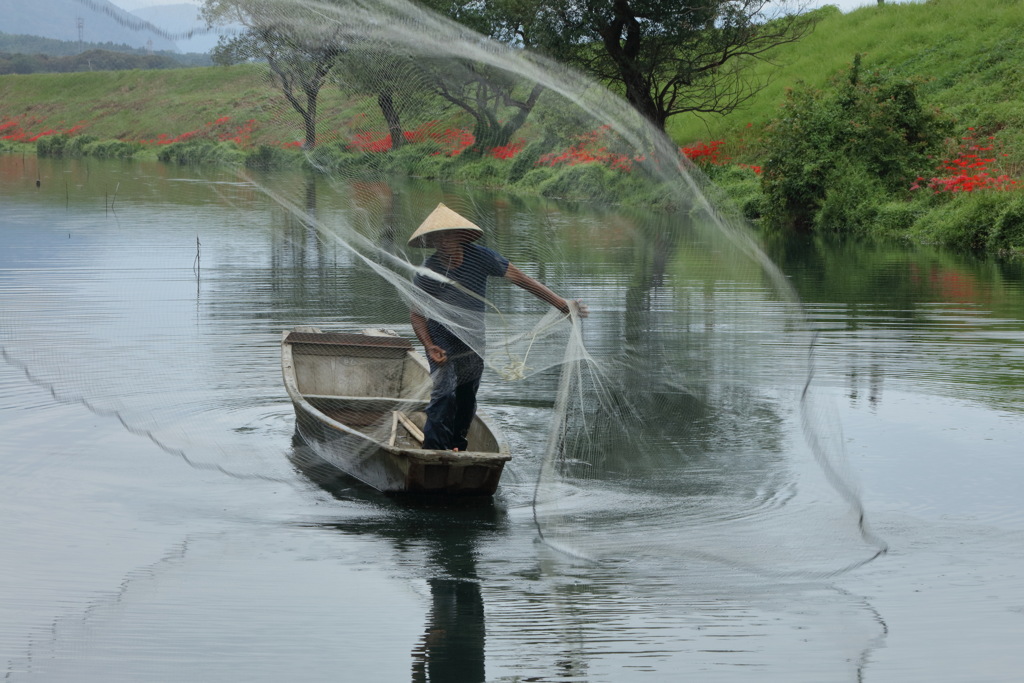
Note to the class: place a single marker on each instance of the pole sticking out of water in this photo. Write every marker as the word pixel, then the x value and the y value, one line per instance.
pixel 195 267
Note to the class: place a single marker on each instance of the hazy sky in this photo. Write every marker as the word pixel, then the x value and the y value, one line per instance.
pixel 845 5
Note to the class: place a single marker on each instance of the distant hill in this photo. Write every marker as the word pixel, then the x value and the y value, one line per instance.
pixel 114 58
pixel 51 47
pixel 90 21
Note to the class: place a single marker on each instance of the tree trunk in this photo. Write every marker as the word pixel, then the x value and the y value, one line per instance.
pixel 387 107
pixel 623 42
pixel 309 117
pixel 639 96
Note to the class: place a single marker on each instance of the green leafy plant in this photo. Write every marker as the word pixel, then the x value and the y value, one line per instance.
pixel 871 126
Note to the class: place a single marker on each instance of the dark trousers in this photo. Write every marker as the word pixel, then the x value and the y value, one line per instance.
pixel 452 399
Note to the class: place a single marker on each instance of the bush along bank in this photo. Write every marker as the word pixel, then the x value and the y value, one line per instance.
pixel 867 158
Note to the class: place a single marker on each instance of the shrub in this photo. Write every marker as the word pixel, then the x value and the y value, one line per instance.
pixel 895 218
pixel 201 152
pixel 428 166
pixel 51 145
pixel 526 159
pixel 874 126
pixel 111 149
pixel 582 181
pixel 85 146
pixel 266 156
pixel 424 159
pixel 535 178
pixel 742 186
pixel 965 222
pixel 79 144
pixel 1007 232
pixel 485 171
pixel 850 205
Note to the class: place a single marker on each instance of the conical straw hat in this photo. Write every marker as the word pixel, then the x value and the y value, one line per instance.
pixel 440 219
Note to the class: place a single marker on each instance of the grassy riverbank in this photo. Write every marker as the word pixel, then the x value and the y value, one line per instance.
pixel 964 62
pixel 147 105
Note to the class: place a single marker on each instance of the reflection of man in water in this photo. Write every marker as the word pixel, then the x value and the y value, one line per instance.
pixel 455 366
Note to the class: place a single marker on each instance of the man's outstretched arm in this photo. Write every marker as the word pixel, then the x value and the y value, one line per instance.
pixel 541 291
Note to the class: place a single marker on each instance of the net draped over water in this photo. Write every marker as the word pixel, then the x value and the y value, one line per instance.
pixel 685 402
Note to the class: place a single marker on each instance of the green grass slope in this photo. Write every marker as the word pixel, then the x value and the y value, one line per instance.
pixel 143 105
pixel 970 54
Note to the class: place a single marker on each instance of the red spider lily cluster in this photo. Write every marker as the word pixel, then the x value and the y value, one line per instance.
pixel 590 148
pixel 969 171
pixel 705 152
pixel 508 151
pixel 19 131
pixel 710 154
pixel 453 141
pixel 593 147
pixel 220 130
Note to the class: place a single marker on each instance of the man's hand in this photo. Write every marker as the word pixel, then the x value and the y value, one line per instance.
pixel 569 304
pixel 437 354
pixel 581 308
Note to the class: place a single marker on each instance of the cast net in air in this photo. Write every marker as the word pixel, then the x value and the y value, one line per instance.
pixel 679 420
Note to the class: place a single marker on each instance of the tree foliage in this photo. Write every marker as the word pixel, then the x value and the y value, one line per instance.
pixel 669 57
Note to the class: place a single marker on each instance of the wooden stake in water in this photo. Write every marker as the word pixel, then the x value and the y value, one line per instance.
pixel 195 267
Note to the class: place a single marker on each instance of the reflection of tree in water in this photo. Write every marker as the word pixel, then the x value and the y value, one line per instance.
pixel 312 275
pixel 299 258
pixel 452 647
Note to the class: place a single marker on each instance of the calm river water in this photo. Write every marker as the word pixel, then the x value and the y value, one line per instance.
pixel 155 524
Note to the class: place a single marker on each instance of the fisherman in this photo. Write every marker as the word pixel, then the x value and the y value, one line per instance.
pixel 461 291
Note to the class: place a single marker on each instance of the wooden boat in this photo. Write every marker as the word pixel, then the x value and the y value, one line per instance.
pixel 359 401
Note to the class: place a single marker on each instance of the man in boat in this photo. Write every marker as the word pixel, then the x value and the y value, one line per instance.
pixel 461 293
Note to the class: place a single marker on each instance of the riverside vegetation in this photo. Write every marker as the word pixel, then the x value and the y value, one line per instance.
pixel 893 121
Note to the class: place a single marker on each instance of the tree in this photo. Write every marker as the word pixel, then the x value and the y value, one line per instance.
pixel 371 67
pixel 667 56
pixel 300 50
pixel 498 101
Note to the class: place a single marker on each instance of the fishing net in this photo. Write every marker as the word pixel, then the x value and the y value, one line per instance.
pixel 679 421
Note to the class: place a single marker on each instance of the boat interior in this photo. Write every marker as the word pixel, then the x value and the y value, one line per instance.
pixel 378 386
